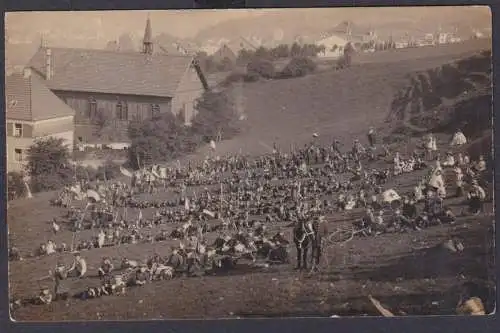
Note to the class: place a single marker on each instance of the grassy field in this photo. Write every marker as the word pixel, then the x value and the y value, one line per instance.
pixel 409 272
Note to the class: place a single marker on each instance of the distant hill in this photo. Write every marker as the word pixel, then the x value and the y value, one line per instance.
pixel 385 21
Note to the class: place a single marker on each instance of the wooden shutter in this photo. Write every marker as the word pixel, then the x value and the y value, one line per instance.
pixel 27 131
pixel 10 129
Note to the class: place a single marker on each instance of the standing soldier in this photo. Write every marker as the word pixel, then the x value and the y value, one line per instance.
pixel 371 137
pixel 320 231
pixel 60 274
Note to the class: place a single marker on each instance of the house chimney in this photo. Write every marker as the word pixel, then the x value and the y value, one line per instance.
pixel 48 64
pixel 27 72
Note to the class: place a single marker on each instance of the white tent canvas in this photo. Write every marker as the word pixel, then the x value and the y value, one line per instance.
pixel 390 196
pixel 458 139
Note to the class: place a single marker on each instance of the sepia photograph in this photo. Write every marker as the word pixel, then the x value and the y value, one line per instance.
pixel 235 164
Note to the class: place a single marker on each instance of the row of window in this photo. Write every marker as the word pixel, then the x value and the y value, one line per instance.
pixel 121 110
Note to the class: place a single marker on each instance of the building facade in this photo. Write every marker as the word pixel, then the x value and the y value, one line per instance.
pixel 33 112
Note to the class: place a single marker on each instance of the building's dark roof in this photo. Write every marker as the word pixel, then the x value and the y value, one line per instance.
pixel 103 71
pixel 28 99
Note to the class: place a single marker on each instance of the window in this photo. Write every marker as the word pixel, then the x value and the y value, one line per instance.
pixel 155 110
pixel 121 111
pixel 18 130
pixel 92 109
pixel 18 155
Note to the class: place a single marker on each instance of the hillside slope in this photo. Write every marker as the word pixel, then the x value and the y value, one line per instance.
pixel 340 104
pixel 447 97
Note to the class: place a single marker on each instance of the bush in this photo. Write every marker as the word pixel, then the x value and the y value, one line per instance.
pixel 232 78
pixel 251 77
pixel 52 182
pixel 15 186
pixel 299 66
pixel 108 171
pixel 263 68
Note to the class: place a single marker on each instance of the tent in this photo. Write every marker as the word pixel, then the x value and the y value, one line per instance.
pixel 458 139
pixel 390 195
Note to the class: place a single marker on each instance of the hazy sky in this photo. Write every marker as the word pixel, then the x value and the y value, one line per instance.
pixel 102 26
pixel 181 23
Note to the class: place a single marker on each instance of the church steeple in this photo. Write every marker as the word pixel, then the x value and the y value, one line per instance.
pixel 147 43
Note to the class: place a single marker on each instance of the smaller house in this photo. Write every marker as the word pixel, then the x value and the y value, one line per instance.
pixel 33 112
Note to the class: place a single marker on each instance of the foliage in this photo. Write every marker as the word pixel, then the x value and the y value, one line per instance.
pixel 235 76
pixel 210 64
pixel 158 139
pixel 263 68
pixel 48 161
pixel 165 137
pixel 279 52
pixel 295 50
pixel 216 113
pixel 15 186
pixel 225 65
pixel 298 66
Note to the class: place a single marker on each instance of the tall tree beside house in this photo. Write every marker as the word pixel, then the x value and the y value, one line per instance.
pixel 158 140
pixel 48 164
pixel 216 115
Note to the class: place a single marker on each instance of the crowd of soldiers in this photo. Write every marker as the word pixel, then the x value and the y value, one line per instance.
pixel 240 199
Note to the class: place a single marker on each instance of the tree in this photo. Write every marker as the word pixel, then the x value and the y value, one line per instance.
pixel 281 51
pixel 216 113
pixel 295 50
pixel 15 184
pixel 299 66
pixel 245 56
pixel 159 139
pixel 225 65
pixel 262 53
pixel 48 164
pixel 263 68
